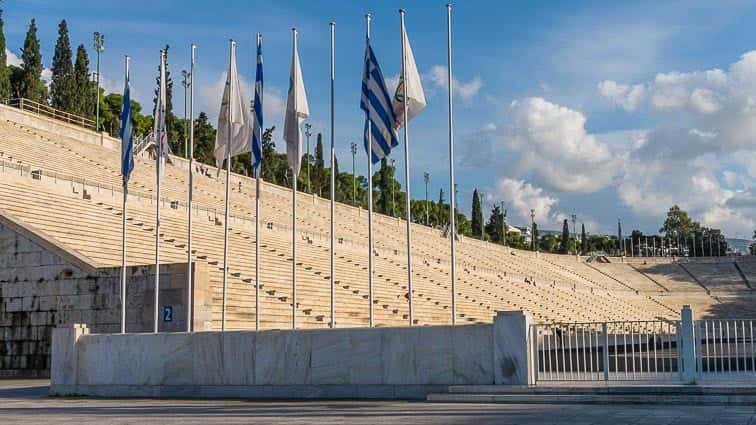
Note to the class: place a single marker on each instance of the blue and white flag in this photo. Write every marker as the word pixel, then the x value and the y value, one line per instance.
pixel 376 102
pixel 127 134
pixel 257 125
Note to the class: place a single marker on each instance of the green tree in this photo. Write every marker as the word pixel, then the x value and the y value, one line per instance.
pixel 318 171
pixel 62 84
pixel 495 225
pixel 564 243
pixel 83 92
pixel 477 216
pixel 32 86
pixel 5 86
pixel 678 223
pixel 550 243
pixel 583 240
pixel 534 237
pixel 381 179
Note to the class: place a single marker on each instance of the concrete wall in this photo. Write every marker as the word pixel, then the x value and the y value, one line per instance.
pixel 58 127
pixel 41 288
pixel 333 363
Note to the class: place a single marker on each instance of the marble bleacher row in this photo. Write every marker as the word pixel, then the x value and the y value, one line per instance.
pixel 489 278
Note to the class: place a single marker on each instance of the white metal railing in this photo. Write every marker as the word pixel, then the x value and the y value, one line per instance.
pixel 725 348
pixel 607 351
pixel 29 105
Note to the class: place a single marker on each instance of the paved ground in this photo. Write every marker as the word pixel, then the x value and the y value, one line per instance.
pixel 25 402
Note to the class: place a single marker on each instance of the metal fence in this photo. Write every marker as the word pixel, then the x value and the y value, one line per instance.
pixel 46 110
pixel 683 350
pixel 606 351
pixel 725 347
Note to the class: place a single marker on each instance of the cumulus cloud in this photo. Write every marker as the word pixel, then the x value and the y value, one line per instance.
pixel 623 95
pixel 520 197
pixel 551 142
pixel 466 90
pixel 12 59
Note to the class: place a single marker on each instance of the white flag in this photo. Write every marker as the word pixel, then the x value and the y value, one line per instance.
pixel 296 111
pixel 233 109
pixel 415 92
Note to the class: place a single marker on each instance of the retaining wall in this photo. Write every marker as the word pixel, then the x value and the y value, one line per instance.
pixel 334 363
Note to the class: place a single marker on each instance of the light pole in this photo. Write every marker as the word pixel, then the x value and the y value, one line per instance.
pixel 393 200
pixel 185 76
pixel 99 46
pixel 426 177
pixel 353 149
pixel 308 133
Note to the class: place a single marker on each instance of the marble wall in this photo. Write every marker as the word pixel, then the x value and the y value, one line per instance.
pixel 398 357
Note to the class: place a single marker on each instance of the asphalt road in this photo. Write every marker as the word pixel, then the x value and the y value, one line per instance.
pixel 26 402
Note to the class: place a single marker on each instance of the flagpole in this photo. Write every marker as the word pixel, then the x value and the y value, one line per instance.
pixel 228 187
pixel 370 200
pixel 123 235
pixel 333 176
pixel 257 218
pixel 294 173
pixel 189 271
pixel 406 169
pixel 452 195
pixel 159 149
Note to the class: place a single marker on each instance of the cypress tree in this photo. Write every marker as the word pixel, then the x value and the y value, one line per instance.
pixel 583 240
pixel 495 224
pixel 384 192
pixel 5 90
pixel 32 86
pixel 534 237
pixel 564 245
pixel 83 91
pixel 61 86
pixel 477 216
pixel 318 173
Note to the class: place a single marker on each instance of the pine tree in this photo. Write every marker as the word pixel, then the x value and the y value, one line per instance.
pixel 564 244
pixel 381 180
pixel 32 86
pixel 61 86
pixel 583 240
pixel 318 172
pixel 83 90
pixel 5 89
pixel 477 216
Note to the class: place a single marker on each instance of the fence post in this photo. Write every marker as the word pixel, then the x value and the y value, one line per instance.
pixel 605 343
pixel 688 346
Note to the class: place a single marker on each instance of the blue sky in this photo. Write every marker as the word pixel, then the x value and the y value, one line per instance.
pixel 609 109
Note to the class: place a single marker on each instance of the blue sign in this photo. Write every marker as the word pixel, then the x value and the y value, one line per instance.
pixel 167 313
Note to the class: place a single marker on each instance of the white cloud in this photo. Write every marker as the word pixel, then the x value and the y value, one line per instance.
pixel 466 90
pixel 622 94
pixel 551 142
pixel 520 197
pixel 12 59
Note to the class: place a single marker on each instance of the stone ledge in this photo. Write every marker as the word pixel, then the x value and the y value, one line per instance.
pixel 290 392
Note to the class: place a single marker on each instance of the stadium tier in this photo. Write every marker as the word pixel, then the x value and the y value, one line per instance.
pixel 65 191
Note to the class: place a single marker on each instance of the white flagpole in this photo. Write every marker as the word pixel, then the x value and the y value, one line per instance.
pixel 370 201
pixel 333 176
pixel 189 272
pixel 257 224
pixel 452 194
pixel 123 238
pixel 294 217
pixel 159 149
pixel 406 170
pixel 228 185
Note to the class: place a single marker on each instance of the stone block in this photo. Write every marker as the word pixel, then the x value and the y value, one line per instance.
pixel 332 354
pixel 64 365
pixel 433 354
pixel 511 347
pixel 398 356
pixel 239 357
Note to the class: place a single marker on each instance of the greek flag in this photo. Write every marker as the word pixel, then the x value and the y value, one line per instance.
pixel 127 134
pixel 159 127
pixel 376 102
pixel 257 126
